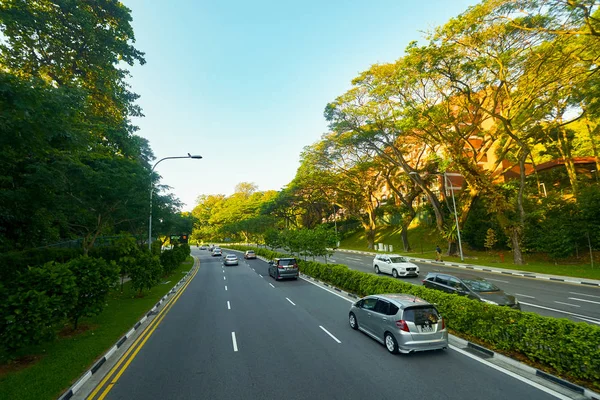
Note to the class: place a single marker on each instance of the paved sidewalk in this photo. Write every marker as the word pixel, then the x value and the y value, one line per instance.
pixel 558 278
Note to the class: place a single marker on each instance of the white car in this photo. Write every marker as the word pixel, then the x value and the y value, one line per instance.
pixel 230 259
pixel 395 265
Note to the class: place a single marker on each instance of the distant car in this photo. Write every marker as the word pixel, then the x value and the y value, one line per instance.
pixel 282 268
pixel 471 286
pixel 202 247
pixel 249 254
pixel 211 247
pixel 217 252
pixel 230 259
pixel 403 323
pixel 394 265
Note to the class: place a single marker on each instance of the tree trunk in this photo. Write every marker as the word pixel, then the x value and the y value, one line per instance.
pixel 516 246
pixel 452 248
pixel 565 151
pixel 404 235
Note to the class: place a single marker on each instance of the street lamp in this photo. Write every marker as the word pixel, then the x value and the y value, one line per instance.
pixel 195 157
pixel 446 181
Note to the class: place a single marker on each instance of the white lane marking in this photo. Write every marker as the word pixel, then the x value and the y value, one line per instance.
pixel 271 285
pixel 524 295
pixel 260 275
pixel 332 260
pixel 564 312
pixel 587 301
pixel 567 304
pixel 253 269
pixel 290 301
pixel 511 374
pixel 329 333
pixel 589 320
pixel 228 305
pixel 330 291
pixel 583 294
pixel 234 341
pixel 355 259
pixel 224 278
pixel 225 287
pixel 497 280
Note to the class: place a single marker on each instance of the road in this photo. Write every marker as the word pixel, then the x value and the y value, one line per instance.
pixel 554 299
pixel 235 333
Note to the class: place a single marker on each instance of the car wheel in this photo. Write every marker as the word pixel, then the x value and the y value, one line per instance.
pixel 394 273
pixel 376 269
pixel 390 343
pixel 353 321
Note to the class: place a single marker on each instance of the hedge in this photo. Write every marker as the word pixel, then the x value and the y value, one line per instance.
pixel 569 348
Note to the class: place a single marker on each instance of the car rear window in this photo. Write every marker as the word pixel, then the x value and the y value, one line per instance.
pixel 250 252
pixel 287 261
pixel 420 315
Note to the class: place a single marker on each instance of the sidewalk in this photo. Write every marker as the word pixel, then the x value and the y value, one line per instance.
pixel 557 278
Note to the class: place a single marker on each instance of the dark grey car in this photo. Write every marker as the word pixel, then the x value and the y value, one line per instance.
pixel 471 286
pixel 284 268
pixel 402 322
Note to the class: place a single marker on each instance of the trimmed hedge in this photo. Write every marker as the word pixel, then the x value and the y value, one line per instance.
pixel 570 348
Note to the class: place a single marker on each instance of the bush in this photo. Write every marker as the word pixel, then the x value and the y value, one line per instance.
pixel 570 348
pixel 94 278
pixel 168 260
pixel 37 301
pixel 14 262
pixel 145 273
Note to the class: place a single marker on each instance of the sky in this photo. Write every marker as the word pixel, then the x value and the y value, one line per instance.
pixel 245 83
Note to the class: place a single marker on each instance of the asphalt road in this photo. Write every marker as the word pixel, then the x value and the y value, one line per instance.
pixel 554 299
pixel 235 333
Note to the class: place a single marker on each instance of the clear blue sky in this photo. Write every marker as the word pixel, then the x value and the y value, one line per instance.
pixel 245 83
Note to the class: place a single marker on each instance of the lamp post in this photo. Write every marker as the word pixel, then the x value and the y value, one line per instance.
pixel 195 157
pixel 446 181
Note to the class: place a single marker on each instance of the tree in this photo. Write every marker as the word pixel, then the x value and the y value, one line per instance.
pixel 94 278
pixel 490 239
pixel 145 273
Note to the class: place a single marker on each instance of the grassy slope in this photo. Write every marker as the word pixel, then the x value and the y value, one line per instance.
pixel 423 242
pixel 64 360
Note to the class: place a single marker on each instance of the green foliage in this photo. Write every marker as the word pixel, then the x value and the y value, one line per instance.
pixel 480 220
pixel 94 278
pixel 15 261
pixel 34 305
pixel 571 348
pixel 145 273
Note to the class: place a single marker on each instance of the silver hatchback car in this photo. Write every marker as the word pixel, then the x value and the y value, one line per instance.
pixel 403 323
pixel 230 259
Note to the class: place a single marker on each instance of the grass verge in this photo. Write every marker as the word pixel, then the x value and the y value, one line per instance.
pixel 423 242
pixel 52 367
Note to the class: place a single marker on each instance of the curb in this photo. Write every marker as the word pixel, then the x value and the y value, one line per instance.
pixel 79 383
pixel 478 268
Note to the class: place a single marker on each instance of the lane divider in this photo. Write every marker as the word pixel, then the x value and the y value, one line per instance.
pixel 94 369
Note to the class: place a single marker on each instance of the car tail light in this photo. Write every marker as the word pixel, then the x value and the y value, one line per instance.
pixel 295 266
pixel 280 266
pixel 443 323
pixel 402 325
pixel 423 281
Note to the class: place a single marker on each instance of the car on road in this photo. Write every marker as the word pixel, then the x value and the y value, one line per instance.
pixel 250 254
pixel 471 286
pixel 217 252
pixel 284 268
pixel 395 265
pixel 402 323
pixel 230 259
pixel 211 247
pixel 202 247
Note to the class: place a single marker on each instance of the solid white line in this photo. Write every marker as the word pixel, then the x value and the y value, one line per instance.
pixel 511 374
pixel 589 320
pixel 228 305
pixel 329 333
pixel 583 294
pixel 587 301
pixel 330 291
pixel 290 301
pixel 561 311
pixel 271 285
pixel 225 287
pixel 524 295
pixel 497 280
pixel 234 341
pixel 567 304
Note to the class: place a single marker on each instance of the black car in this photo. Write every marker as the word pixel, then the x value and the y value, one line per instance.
pixel 282 268
pixel 471 286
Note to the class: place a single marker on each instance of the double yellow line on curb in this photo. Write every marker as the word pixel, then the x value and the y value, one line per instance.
pixel 119 368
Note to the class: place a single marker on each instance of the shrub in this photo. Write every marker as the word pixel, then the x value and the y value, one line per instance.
pixel 94 278
pixel 145 273
pixel 33 306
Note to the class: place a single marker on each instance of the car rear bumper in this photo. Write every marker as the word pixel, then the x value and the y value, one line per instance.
pixel 407 345
pixel 287 275
pixel 230 263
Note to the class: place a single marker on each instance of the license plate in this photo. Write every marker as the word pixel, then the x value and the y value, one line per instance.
pixel 425 328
